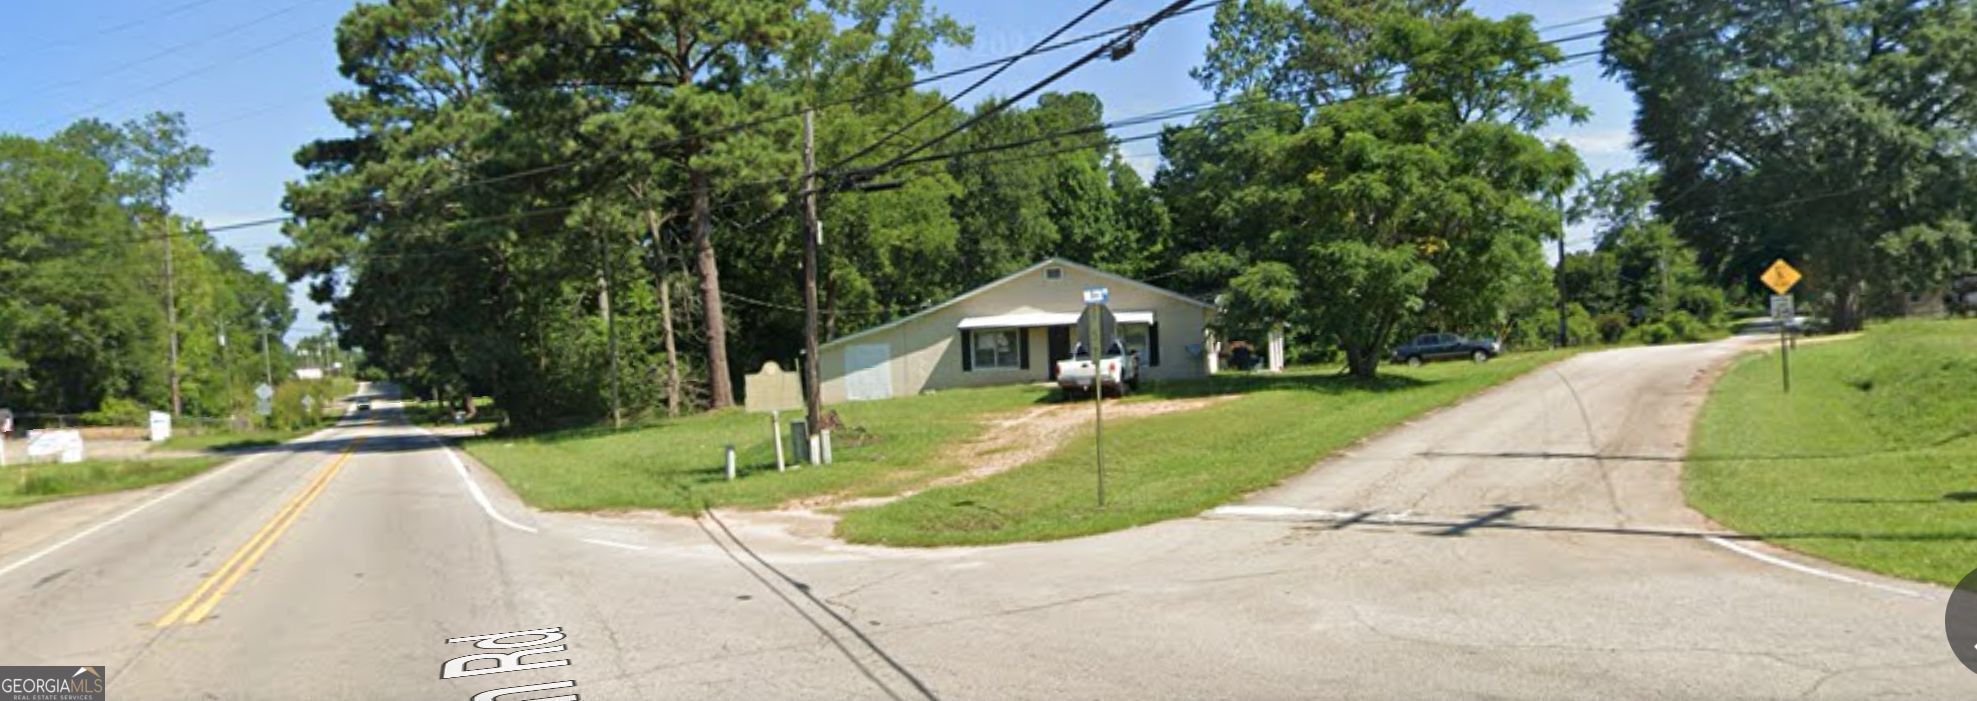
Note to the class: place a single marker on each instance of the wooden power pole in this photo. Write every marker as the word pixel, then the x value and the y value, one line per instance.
pixel 171 311
pixel 1559 274
pixel 606 277
pixel 812 393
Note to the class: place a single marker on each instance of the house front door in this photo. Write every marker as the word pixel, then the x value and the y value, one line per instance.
pixel 1060 347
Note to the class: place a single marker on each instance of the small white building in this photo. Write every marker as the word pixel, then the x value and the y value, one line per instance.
pixel 1013 331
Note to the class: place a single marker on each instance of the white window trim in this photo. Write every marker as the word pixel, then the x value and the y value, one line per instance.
pixel 1015 351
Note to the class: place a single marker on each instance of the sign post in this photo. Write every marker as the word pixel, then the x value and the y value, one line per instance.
pixel 1780 277
pixel 1096 333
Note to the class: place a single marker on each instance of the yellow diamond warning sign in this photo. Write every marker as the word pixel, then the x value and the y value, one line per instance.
pixel 1780 277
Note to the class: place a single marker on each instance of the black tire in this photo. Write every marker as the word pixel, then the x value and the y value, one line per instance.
pixel 1414 361
pixel 1479 356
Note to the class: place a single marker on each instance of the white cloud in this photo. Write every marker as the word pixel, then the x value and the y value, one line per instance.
pixel 1598 142
pixel 1144 163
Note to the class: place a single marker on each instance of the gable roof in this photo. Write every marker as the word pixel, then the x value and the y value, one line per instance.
pixel 1039 265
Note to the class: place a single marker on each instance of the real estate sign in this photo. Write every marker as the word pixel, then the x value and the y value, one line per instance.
pixel 161 426
pixel 66 444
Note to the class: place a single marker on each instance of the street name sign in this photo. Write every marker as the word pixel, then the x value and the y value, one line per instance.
pixel 1780 277
pixel 1097 295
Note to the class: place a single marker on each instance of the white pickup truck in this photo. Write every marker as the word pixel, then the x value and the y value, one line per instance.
pixel 1118 372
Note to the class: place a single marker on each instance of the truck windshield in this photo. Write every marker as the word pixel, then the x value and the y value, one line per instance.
pixel 1078 351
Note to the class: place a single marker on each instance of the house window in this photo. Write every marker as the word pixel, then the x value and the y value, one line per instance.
pixel 1135 338
pixel 1053 273
pixel 997 348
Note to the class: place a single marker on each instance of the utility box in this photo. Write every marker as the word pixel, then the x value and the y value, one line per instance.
pixel 799 440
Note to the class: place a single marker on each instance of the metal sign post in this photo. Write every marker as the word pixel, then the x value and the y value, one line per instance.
pixel 1780 277
pixel 1782 313
pixel 1097 334
pixel 1097 393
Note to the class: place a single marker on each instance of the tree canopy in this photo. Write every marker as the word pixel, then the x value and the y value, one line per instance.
pixel 1836 135
pixel 1384 152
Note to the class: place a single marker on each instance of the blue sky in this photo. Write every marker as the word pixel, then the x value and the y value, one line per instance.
pixel 251 75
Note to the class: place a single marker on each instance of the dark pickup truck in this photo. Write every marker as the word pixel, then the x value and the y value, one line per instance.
pixel 1445 346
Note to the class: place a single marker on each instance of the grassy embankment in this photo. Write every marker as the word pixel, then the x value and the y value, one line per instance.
pixel 1288 422
pixel 46 481
pixel 1871 460
pixel 1177 465
pixel 676 464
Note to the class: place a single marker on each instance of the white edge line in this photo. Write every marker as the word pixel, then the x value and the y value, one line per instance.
pixel 612 544
pixel 472 488
pixel 1796 567
pixel 119 518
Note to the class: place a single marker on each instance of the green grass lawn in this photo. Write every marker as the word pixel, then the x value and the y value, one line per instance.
pixel 231 440
pixel 46 481
pixel 1180 464
pixel 1870 461
pixel 676 464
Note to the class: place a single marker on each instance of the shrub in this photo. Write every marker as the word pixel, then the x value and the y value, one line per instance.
pixel 1612 327
pixel 1702 302
pixel 117 411
pixel 1682 327
pixel 1654 333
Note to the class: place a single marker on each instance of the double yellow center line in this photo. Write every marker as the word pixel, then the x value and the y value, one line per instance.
pixel 196 606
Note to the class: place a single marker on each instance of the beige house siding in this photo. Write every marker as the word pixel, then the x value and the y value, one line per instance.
pixel 924 352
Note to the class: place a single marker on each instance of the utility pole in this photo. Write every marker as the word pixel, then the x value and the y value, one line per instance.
pixel 226 370
pixel 610 329
pixel 171 309
pixel 267 360
pixel 1559 273
pixel 812 393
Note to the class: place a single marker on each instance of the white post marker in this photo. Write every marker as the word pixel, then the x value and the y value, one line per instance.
pixel 731 462
pixel 776 434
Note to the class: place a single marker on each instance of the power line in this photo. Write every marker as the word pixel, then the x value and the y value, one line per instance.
pixel 1117 48
pixel 80 39
pixel 751 123
pixel 182 77
pixel 1562 61
pixel 61 86
pixel 949 102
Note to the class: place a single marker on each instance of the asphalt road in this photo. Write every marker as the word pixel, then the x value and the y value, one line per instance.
pixel 1528 543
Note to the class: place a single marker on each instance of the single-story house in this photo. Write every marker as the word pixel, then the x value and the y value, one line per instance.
pixel 1013 331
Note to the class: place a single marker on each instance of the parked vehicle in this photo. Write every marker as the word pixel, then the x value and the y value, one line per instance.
pixel 1445 346
pixel 1116 373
